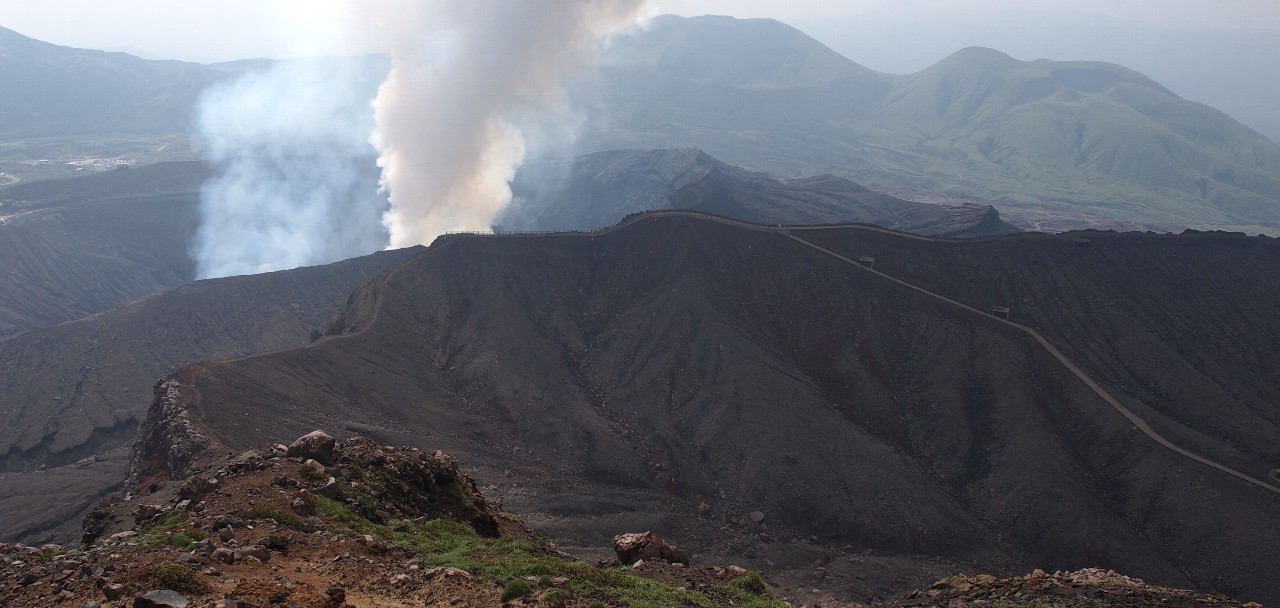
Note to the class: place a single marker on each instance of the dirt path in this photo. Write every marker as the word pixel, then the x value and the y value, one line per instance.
pixel 789 232
pixel 1138 422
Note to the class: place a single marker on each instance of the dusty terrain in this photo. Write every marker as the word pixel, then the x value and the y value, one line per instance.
pixel 77 247
pixel 597 383
pixel 72 396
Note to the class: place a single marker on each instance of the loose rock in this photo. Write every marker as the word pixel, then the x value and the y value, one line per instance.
pixel 316 444
pixel 646 546
pixel 161 598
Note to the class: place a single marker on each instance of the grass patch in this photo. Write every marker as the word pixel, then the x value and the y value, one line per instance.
pixel 166 532
pixel 749 583
pixel 332 509
pixel 445 543
pixel 183 539
pixel 515 589
pixel 312 473
pixel 556 598
pixel 178 578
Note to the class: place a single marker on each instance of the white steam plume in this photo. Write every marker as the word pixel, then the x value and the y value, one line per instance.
pixel 294 182
pixel 460 71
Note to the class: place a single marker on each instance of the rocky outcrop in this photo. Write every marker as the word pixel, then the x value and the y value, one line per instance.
pixel 646 546
pixel 172 440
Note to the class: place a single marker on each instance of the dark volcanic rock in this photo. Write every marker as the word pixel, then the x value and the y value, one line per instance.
pixel 679 361
pixel 196 487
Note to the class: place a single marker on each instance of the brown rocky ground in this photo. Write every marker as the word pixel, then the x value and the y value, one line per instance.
pixel 382 527
pixel 387 527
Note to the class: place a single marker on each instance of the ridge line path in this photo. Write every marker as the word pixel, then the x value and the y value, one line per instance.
pixel 787 231
pixel 1133 417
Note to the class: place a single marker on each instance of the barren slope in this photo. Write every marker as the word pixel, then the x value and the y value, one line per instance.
pixel 77 247
pixel 678 361
pixel 80 389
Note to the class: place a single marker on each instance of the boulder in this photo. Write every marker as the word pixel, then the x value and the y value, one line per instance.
pixel 257 551
pixel 204 547
pixel 161 598
pixel 330 489
pixel 648 546
pixel 197 487
pixel 316 444
pixel 112 591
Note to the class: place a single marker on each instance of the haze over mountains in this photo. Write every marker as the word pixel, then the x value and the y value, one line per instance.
pixel 1087 138
pixel 56 91
pixel 1093 137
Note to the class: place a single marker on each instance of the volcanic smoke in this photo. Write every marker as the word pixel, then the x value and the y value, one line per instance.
pixel 287 142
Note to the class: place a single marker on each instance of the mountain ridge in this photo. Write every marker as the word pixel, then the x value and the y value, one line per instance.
pixel 597 190
pixel 665 387
pixel 1086 136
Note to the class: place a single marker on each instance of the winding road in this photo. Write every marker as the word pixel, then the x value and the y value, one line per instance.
pixel 790 232
pixel 1138 421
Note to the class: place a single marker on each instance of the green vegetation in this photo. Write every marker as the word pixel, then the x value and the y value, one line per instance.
pixel 750 583
pixel 183 539
pixel 178 578
pixel 555 597
pixel 515 589
pixel 169 531
pixel 312 473
pixel 446 543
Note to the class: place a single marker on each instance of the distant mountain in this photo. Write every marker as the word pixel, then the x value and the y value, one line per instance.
pixel 56 91
pixel 79 390
pixel 1090 138
pixel 600 382
pixel 597 190
pixel 1085 136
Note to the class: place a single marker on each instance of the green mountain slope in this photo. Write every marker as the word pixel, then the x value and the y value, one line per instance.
pixel 1076 131
pixel 1087 136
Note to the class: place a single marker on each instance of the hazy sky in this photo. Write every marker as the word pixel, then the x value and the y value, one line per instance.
pixel 206 30
pixel 1220 52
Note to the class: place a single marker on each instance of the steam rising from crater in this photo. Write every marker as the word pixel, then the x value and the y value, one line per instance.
pixel 294 181
pixel 467 82
pixel 460 72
